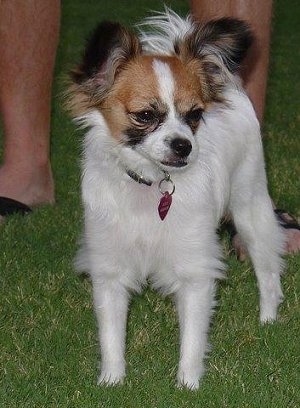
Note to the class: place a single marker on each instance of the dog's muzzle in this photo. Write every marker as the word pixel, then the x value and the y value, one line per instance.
pixel 181 147
pixel 180 150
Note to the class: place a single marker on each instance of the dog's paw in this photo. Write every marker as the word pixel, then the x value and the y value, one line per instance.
pixel 112 374
pixel 269 307
pixel 189 377
pixel 189 383
pixel 268 315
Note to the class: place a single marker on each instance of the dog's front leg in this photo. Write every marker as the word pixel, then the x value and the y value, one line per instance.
pixel 111 303
pixel 194 306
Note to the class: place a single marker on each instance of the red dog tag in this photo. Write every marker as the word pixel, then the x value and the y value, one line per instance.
pixel 164 205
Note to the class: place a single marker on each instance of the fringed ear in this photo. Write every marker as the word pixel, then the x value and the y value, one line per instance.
pixel 227 38
pixel 108 50
pixel 220 45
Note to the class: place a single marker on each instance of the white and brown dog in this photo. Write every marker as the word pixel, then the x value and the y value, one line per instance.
pixel 172 144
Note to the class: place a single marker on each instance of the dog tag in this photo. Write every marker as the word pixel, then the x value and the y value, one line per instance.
pixel 164 205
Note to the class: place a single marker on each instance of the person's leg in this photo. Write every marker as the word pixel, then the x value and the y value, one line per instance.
pixel 258 14
pixel 28 40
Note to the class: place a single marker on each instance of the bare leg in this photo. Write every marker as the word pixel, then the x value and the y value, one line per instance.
pixel 28 41
pixel 258 14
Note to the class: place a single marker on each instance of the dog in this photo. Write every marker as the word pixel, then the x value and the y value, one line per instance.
pixel 172 144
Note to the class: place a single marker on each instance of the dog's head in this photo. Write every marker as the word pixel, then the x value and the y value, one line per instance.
pixel 152 89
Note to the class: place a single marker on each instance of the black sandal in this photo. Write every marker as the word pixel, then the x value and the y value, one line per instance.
pixel 8 206
pixel 286 220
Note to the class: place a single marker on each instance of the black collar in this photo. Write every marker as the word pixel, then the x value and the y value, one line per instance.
pixel 138 177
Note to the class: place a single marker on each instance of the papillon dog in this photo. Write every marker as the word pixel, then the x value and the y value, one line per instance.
pixel 172 144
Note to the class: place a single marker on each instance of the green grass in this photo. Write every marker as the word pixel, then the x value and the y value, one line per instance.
pixel 48 341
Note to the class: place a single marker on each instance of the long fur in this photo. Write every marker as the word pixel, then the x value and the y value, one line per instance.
pixel 125 243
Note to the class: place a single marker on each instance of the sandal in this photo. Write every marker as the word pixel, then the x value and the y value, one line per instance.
pixel 8 206
pixel 286 220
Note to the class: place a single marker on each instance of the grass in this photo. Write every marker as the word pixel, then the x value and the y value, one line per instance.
pixel 48 342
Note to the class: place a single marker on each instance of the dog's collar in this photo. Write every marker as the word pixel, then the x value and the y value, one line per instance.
pixel 166 199
pixel 138 177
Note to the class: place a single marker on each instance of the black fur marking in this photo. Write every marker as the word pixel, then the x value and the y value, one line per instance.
pixel 227 38
pixel 193 117
pixel 241 38
pixel 100 43
pixel 106 37
pixel 135 136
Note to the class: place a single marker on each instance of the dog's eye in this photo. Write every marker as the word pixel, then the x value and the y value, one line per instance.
pixel 193 116
pixel 144 117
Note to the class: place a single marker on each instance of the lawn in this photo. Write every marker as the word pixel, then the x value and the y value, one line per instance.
pixel 48 339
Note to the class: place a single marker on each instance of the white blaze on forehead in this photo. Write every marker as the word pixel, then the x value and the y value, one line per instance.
pixel 166 83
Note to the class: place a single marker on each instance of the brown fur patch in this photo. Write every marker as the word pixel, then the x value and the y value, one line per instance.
pixel 136 89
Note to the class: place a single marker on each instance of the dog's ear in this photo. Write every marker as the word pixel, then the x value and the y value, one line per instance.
pixel 226 38
pixel 108 50
pixel 220 45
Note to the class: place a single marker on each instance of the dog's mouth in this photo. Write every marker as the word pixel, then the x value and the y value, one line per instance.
pixel 174 163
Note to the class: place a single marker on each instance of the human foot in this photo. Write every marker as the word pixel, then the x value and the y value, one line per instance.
pixel 33 187
pixel 292 230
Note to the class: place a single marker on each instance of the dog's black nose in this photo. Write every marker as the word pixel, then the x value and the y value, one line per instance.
pixel 181 147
